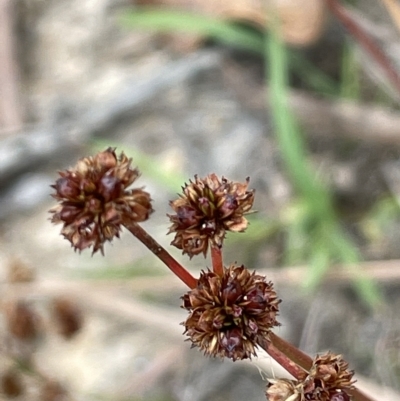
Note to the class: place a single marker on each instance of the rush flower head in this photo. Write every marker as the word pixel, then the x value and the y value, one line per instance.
pixel 283 390
pixel 94 200
pixel 208 208
pixel 328 380
pixel 228 313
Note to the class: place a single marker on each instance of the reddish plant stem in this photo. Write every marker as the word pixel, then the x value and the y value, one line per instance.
pixel 291 351
pixel 162 254
pixel 365 41
pixel 216 258
pixel 295 370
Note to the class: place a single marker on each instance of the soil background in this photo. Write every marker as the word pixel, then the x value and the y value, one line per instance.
pixel 184 106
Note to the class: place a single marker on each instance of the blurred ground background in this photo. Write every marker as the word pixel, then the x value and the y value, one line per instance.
pixel 78 76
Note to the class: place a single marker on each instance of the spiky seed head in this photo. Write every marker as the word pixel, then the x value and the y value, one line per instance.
pixel 329 377
pixel 207 209
pixel 229 313
pixel 95 202
pixel 282 390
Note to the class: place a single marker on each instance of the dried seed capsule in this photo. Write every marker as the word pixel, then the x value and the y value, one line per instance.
pixel 329 377
pixel 328 380
pixel 94 200
pixel 207 209
pixel 229 313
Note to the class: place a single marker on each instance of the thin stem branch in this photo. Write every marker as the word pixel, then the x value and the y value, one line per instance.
pixel 294 369
pixel 365 41
pixel 216 258
pixel 291 351
pixel 162 254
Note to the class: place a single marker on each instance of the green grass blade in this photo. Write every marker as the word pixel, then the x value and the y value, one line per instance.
pixel 289 138
pixel 350 75
pixel 347 254
pixel 319 264
pixel 330 242
pixel 312 76
pixel 164 20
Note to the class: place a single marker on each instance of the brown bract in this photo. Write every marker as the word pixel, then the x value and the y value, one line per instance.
pixel 228 314
pixel 208 208
pixel 94 200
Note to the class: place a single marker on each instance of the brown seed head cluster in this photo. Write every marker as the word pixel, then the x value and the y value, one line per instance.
pixel 208 208
pixel 67 316
pixel 22 321
pixel 328 380
pixel 228 314
pixel 94 200
pixel 11 384
pixel 53 391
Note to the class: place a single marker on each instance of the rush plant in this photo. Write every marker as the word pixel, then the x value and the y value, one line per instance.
pixel 231 310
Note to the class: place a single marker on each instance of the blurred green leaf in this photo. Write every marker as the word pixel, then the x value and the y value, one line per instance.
pixel 149 166
pixel 327 243
pixel 312 76
pixel 319 261
pixel 164 20
pixel 350 74
pixel 380 218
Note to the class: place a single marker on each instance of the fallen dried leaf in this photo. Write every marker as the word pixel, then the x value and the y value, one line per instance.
pixel 393 8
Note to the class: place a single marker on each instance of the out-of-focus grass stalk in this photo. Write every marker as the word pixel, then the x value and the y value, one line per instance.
pixel 350 74
pixel 328 240
pixel 164 20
